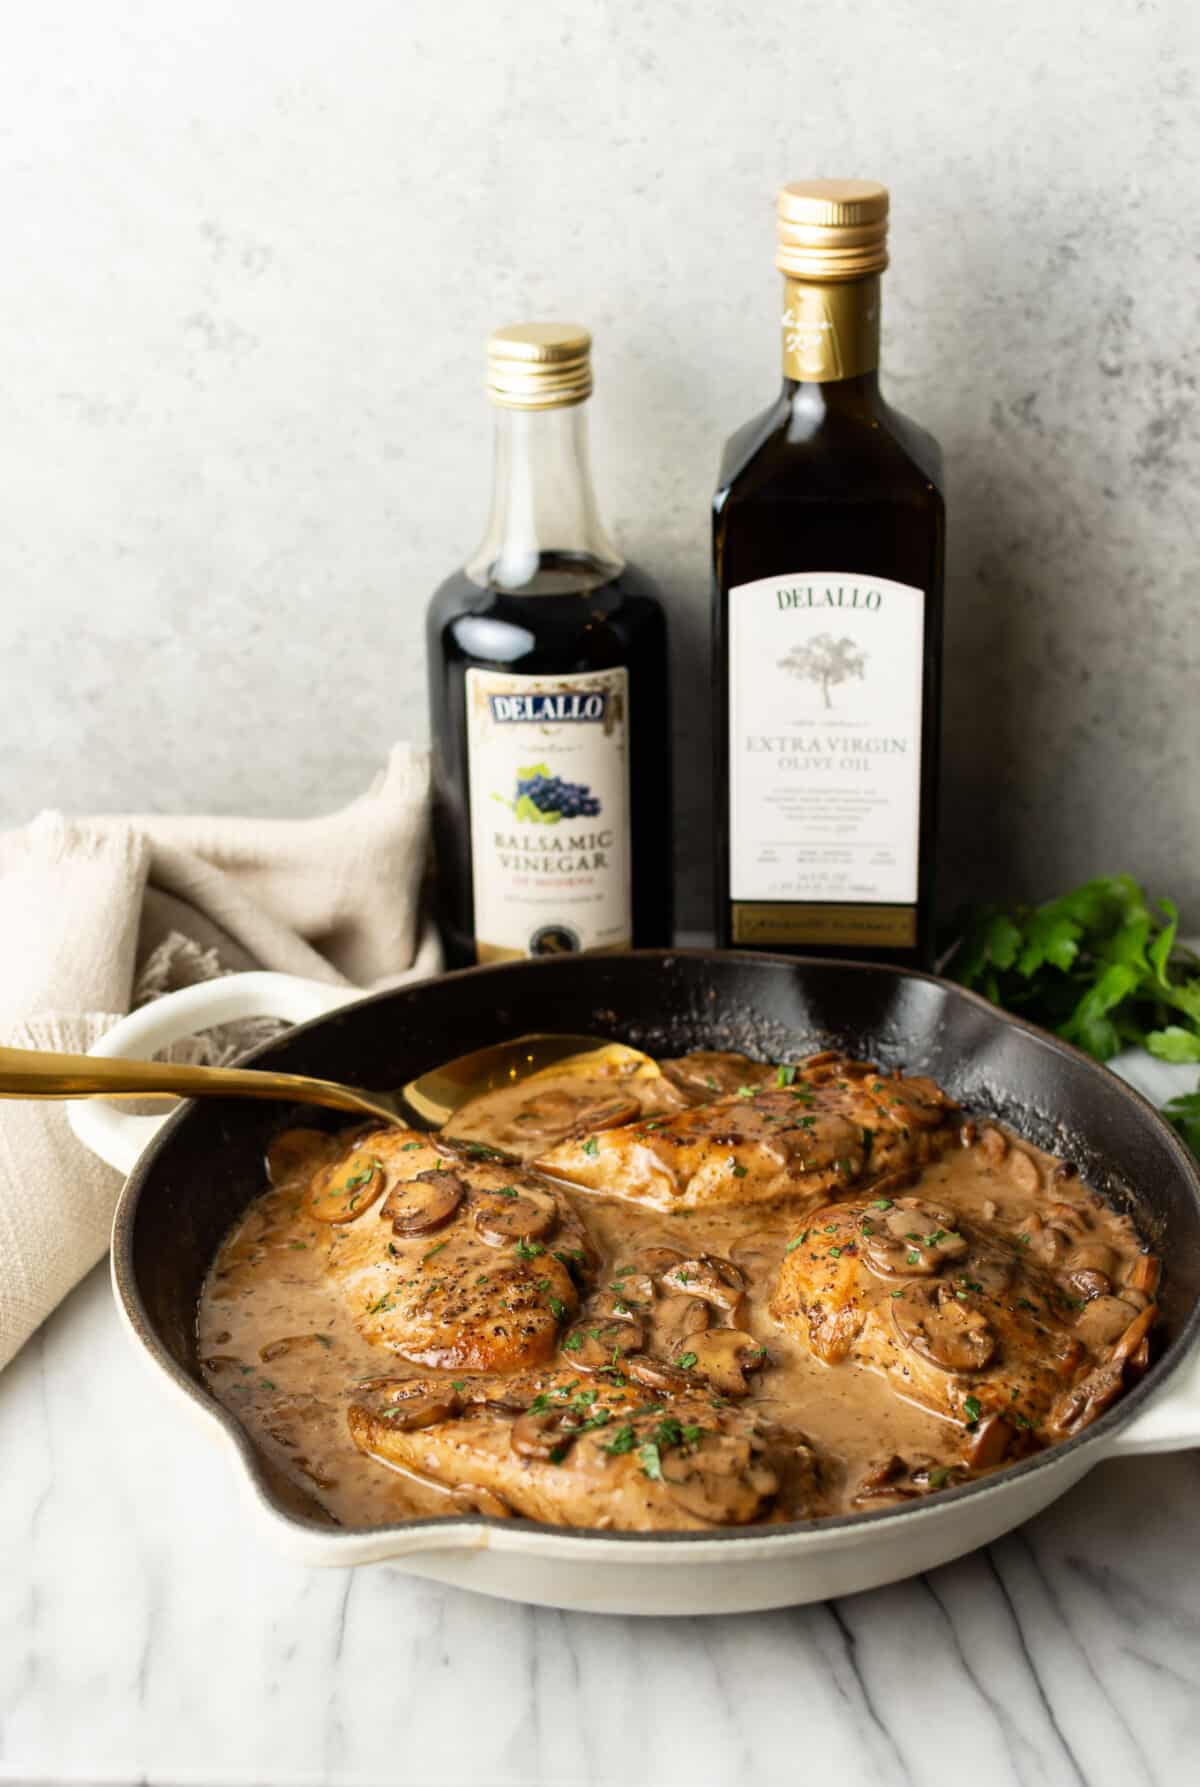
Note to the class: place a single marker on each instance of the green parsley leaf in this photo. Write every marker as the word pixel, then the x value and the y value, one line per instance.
pixel 685 1361
pixel 784 1076
pixel 591 1146
pixel 972 1408
pixel 651 1461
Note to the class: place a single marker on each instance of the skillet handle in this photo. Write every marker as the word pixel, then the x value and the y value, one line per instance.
pixel 1170 1422
pixel 119 1138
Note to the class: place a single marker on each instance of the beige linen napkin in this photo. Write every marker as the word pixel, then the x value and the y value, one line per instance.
pixel 99 915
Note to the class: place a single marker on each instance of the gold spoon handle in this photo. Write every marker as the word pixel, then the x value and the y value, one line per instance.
pixel 37 1073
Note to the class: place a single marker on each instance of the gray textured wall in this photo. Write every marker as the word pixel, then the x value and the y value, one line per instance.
pixel 251 254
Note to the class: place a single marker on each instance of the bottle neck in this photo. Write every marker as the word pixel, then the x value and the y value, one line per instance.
pixel 831 338
pixel 543 506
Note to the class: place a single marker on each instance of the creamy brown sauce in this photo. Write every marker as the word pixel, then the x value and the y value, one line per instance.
pixel 283 1347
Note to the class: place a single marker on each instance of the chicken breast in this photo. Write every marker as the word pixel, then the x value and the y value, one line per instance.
pixel 460 1256
pixel 584 1452
pixel 958 1318
pixel 828 1125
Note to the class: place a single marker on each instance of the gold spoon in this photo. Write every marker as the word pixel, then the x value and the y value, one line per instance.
pixel 426 1101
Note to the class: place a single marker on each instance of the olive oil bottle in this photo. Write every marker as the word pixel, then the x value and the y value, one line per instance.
pixel 828 540
pixel 548 694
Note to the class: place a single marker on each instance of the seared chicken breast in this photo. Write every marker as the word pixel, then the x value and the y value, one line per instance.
pixel 595 1451
pixel 826 1126
pixel 455 1256
pixel 959 1318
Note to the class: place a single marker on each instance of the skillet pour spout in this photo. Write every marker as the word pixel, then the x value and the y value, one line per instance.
pixel 203 1166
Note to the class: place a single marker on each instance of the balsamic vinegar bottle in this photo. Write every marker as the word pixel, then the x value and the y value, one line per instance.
pixel 548 693
pixel 828 536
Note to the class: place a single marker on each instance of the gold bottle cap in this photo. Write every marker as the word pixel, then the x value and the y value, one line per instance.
pixel 539 366
pixel 832 229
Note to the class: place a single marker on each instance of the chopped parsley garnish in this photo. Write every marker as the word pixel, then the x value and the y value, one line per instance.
pixel 266 1383
pixel 937 1478
pixel 591 1146
pixel 557 1308
pixel 881 1203
pixel 406 1146
pixel 972 1408
pixel 504 1191
pixel 437 1249
pixel 914 1259
pixel 798 1242
pixel 622 1440
pixel 739 1172
pixel 526 1249
pixel 685 1361
pixel 572 1343
pixel 559 1452
pixel 835 1253
pixel 746 1091
pixel 784 1076
pixel 458 1383
pixel 651 1461
pixel 1023 1240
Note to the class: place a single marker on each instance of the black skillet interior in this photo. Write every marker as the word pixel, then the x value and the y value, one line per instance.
pixel 207 1165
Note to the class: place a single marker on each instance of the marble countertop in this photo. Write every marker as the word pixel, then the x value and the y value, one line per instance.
pixel 146 1633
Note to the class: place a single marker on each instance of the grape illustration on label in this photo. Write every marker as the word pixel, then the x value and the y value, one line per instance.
pixel 544 799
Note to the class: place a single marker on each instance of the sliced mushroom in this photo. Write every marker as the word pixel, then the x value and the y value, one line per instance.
pixel 1103 1320
pixel 1144 1274
pixel 718 1281
pixel 914 1239
pixel 507 1215
pixel 993 1144
pixel 677 1320
pixel 592 1345
pixel 1079 1406
pixel 656 1374
pixel 290 1343
pixel 1137 1331
pixel 424 1409
pixel 1090 1269
pixel 545 1433
pixel 343 1191
pixel 724 1356
pixel 721 1481
pixel 941 1328
pixel 421 1205
pixel 1024 1172
pixel 990 1442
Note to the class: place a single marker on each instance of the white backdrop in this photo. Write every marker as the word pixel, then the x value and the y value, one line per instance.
pixel 251 252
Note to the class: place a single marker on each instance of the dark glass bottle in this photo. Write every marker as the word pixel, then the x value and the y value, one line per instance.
pixel 549 707
pixel 828 546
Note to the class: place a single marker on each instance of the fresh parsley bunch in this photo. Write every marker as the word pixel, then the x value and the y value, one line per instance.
pixel 1102 966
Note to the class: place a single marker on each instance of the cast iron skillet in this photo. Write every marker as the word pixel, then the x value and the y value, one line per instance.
pixel 205 1166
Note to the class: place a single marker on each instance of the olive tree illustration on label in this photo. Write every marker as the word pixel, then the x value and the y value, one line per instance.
pixel 824 793
pixel 549 789
pixel 825 661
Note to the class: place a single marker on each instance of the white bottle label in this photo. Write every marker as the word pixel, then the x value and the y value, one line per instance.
pixel 825 674
pixel 549 778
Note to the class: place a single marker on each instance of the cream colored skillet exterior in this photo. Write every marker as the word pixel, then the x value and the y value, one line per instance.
pixel 622 1573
